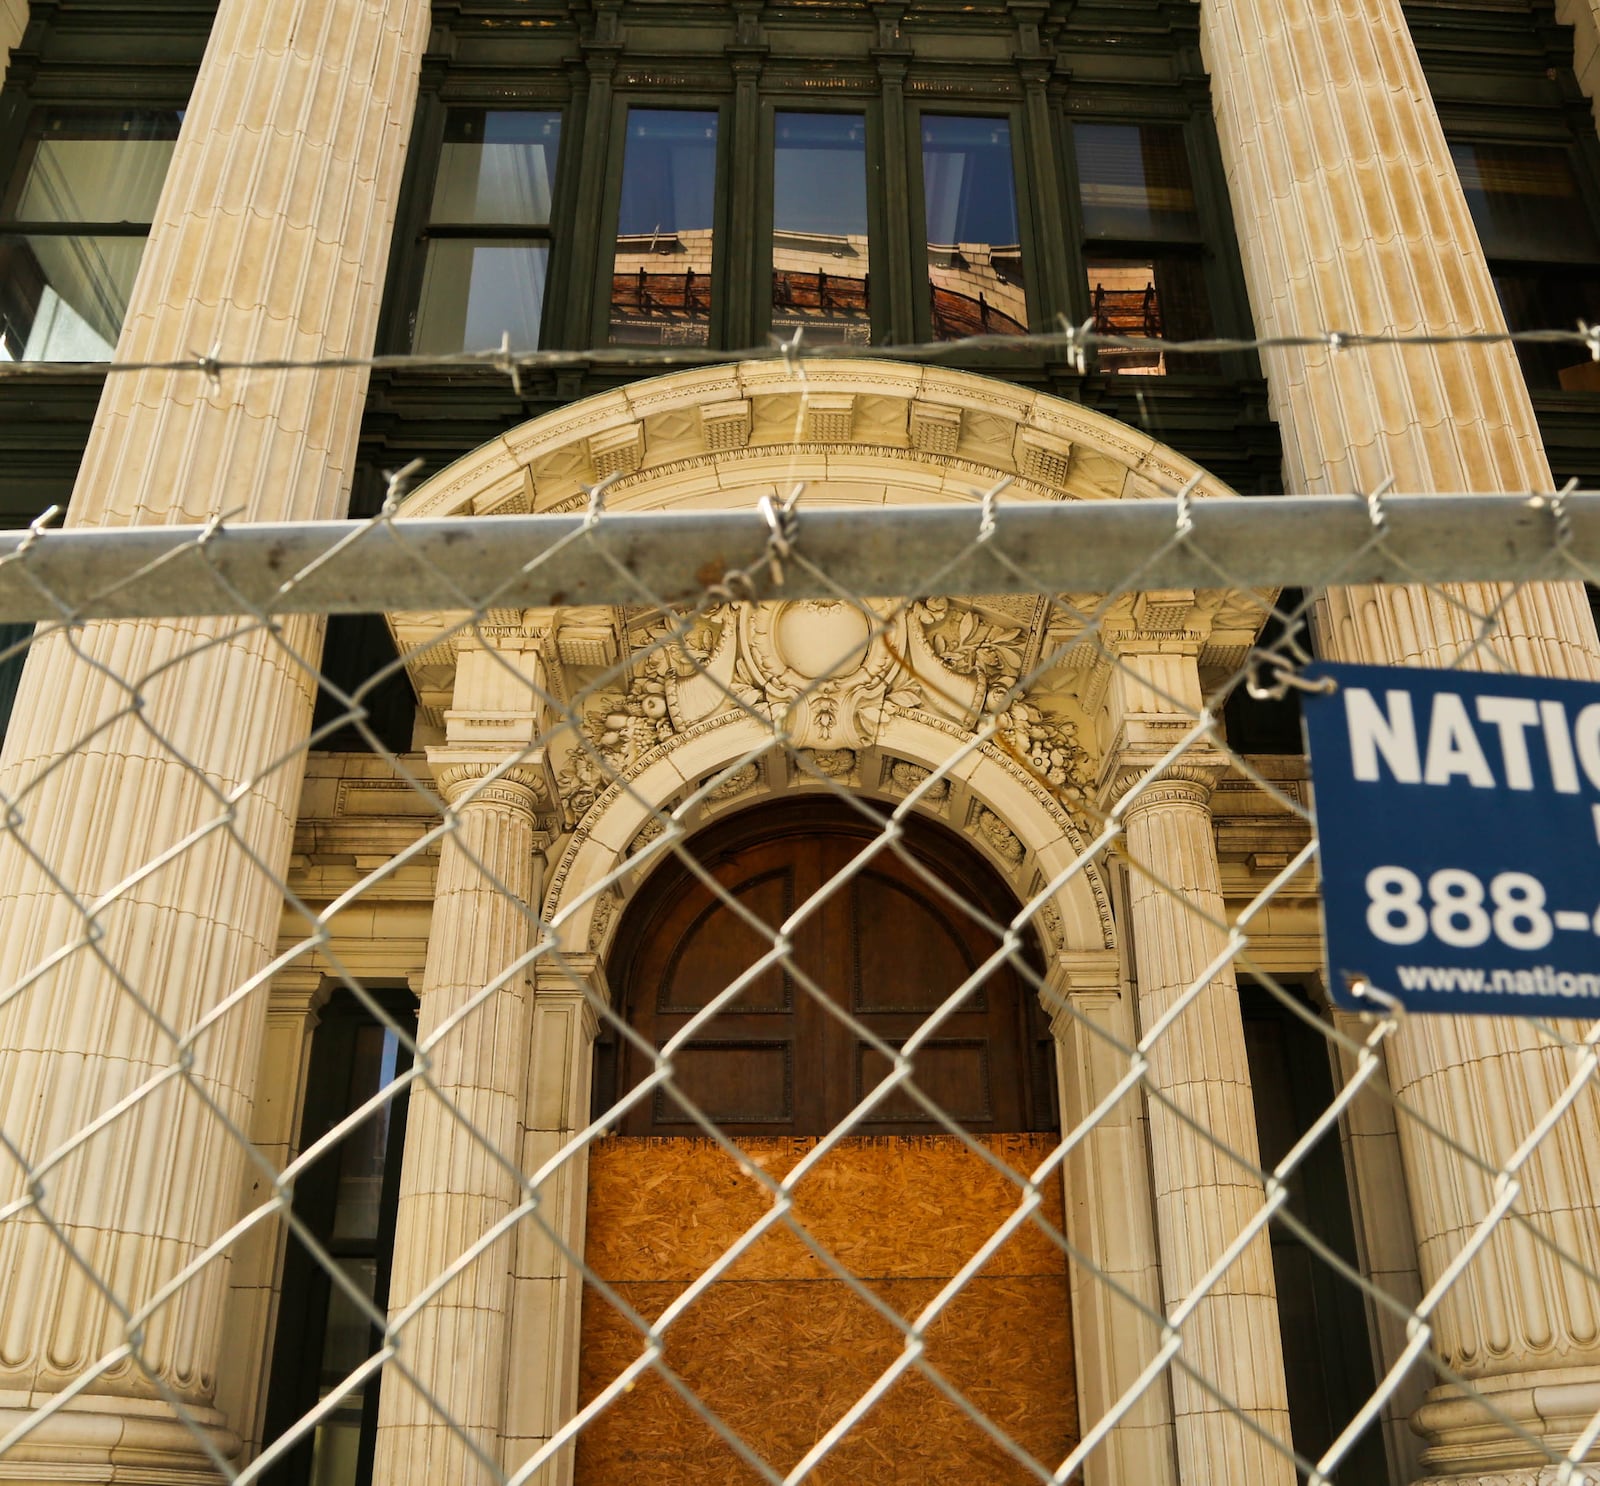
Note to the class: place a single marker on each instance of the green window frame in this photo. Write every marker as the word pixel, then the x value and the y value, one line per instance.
pixel 74 218
pixel 933 282
pixel 348 1199
pixel 488 232
pixel 873 296
pixel 735 275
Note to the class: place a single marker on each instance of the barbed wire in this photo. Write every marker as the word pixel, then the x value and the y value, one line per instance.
pixel 1075 344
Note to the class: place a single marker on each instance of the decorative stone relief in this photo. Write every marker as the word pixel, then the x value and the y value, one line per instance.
pixel 587 638
pixel 836 763
pixel 1000 836
pixel 725 425
pixel 605 909
pixel 1043 457
pixel 1049 917
pixel 651 829
pixel 618 451
pixel 935 429
pixel 830 417
pixel 903 774
pixel 741 781
pixel 815 667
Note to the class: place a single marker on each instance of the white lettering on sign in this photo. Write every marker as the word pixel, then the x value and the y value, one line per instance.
pixel 1374 731
pixel 1387 737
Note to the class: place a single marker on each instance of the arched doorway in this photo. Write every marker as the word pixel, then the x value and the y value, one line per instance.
pixel 780 1345
pixel 882 944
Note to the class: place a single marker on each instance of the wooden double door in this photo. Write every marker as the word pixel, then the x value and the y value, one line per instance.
pixel 883 944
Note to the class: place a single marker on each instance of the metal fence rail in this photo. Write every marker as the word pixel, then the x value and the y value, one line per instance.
pixel 340 567
pixel 608 693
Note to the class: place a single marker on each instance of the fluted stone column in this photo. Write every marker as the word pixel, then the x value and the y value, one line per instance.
pixel 1584 18
pixel 453 1185
pixel 1351 217
pixel 13 22
pixel 1109 1218
pixel 1203 1198
pixel 269 240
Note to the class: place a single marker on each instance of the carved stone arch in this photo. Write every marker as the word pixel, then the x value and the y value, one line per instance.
pixel 684 772
pixel 853 432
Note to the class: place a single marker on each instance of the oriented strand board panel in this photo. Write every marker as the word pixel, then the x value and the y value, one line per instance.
pixel 781 1347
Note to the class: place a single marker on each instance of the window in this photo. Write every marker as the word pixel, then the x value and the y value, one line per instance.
pixel 348 1200
pixel 488 235
pixel 73 225
pixel 661 275
pixel 731 177
pixel 975 267
pixel 820 278
pixel 1142 241
pixel 1542 245
pixel 1322 1317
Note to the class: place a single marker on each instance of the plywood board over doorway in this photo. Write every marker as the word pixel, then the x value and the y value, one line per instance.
pixel 781 1347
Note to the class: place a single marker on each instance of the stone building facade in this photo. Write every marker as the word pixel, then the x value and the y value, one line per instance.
pixel 639 172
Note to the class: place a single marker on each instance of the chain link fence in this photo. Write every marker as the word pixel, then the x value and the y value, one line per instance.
pixel 977 1113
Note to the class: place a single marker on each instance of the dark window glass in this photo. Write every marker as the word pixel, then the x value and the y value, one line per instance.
pixel 1142 250
pixel 1322 1317
pixel 488 235
pixel 1524 202
pixel 1134 182
pixel 1543 249
pixel 975 268
pixel 348 1200
pixel 819 228
pixel 661 275
pixel 73 229
pixel 1268 724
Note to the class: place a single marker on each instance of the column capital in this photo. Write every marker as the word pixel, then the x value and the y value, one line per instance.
pixel 1078 984
pixel 486 776
pixel 1189 782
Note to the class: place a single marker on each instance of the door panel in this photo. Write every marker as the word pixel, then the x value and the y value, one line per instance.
pixel 874 953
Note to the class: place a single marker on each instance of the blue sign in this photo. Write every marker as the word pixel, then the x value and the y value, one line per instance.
pixel 1458 819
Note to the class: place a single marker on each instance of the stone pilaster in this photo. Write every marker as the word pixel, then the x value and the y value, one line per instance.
pixel 269 240
pixel 461 1132
pixel 1110 1218
pixel 1203 1198
pixel 1351 217
pixel 548 1289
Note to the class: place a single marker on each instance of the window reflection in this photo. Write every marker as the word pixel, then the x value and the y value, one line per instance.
pixel 347 1200
pixel 819 229
pixel 1542 247
pixel 661 275
pixel 497 168
pixel 1156 297
pixel 1142 250
pixel 975 268
pixel 80 207
pixel 484 273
